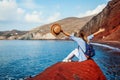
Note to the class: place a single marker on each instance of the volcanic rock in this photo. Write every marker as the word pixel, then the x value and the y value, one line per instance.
pixel 109 19
pixel 86 70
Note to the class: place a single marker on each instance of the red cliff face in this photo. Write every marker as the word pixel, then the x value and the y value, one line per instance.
pixel 86 70
pixel 109 18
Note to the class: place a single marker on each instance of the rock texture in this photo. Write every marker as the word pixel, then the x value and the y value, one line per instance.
pixel 86 70
pixel 109 18
pixel 10 35
pixel 70 25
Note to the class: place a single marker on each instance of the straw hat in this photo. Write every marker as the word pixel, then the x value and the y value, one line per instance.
pixel 55 29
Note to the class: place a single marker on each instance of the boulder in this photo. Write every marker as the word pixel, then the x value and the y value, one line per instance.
pixel 86 70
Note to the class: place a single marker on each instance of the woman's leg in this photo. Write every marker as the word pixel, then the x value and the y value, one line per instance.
pixel 70 56
pixel 81 56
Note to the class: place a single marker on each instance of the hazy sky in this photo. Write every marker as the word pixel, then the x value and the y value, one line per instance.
pixel 28 14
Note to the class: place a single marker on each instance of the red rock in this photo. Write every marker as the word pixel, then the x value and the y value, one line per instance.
pixel 86 70
pixel 109 19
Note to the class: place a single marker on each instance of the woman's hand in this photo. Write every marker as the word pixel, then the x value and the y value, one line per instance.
pixel 61 30
pixel 65 33
pixel 101 29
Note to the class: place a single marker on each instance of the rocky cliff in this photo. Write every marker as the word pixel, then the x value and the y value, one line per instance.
pixel 86 70
pixel 71 24
pixel 109 19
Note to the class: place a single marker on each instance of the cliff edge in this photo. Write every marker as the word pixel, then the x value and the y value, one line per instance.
pixel 109 19
pixel 86 70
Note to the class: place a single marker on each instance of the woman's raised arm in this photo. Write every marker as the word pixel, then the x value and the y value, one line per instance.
pixel 99 31
pixel 65 33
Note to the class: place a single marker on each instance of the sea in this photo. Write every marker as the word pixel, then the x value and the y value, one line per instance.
pixel 20 59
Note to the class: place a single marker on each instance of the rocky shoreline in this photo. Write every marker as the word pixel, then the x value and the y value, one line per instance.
pixel 110 43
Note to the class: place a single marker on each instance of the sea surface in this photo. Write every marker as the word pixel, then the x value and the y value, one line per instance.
pixel 23 58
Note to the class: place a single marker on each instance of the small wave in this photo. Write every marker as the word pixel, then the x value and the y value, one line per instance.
pixel 12 78
pixel 7 77
pixel 104 45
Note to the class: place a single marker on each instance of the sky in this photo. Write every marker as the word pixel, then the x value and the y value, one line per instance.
pixel 29 14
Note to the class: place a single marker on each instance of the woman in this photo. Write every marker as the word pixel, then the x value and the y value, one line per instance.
pixel 81 41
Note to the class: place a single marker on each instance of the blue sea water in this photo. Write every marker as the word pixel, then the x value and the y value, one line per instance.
pixel 23 58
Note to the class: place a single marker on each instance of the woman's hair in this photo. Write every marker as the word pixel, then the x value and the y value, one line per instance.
pixel 83 35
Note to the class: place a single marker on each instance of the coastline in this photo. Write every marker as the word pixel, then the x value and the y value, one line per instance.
pixel 115 44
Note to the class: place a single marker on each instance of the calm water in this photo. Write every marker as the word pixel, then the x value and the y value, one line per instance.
pixel 19 59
